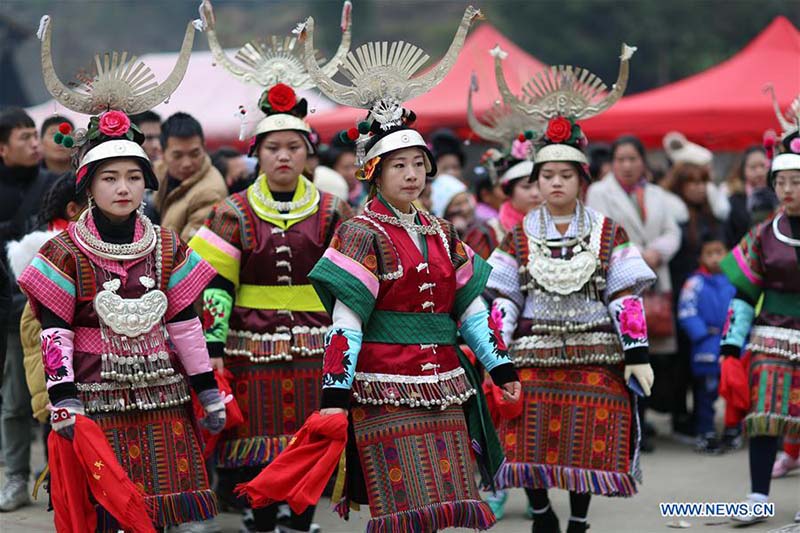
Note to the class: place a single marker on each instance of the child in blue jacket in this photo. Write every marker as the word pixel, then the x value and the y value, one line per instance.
pixel 702 310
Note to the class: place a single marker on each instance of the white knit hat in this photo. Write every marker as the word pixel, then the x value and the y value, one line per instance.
pixel 443 189
pixel 328 180
pixel 679 149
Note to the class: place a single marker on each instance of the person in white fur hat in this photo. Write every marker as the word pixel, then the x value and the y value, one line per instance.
pixel 679 149
pixel 328 180
pixel 451 200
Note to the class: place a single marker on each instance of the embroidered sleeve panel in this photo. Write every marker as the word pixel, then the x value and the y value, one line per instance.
pixel 333 212
pixel 627 313
pixel 188 274
pixel 744 264
pixel 217 307
pixel 625 266
pixel 50 279
pixel 738 324
pixel 458 254
pixel 350 268
pixel 232 221
pixel 361 241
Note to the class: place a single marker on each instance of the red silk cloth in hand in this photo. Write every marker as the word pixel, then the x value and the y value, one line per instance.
pixel 733 384
pixel 299 474
pixel 88 464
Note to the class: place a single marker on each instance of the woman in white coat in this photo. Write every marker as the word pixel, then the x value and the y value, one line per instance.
pixel 641 207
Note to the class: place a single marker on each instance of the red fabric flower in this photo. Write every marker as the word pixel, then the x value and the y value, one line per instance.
pixel 281 98
pixel 114 123
pixel 208 319
pixel 559 129
pixel 334 355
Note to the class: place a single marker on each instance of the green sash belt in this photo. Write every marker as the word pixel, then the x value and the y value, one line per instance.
pixel 395 327
pixel 781 303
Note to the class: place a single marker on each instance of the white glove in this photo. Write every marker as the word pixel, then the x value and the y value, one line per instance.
pixel 644 375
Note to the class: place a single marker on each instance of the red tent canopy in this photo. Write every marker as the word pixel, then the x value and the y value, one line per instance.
pixel 724 107
pixel 446 105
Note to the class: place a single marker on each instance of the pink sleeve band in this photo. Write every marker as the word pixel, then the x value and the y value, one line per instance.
pixel 57 350
pixel 189 342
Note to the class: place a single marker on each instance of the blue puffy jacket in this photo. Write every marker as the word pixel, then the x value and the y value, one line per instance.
pixel 702 310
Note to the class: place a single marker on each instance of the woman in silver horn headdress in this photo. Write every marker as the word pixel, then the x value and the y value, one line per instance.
pixel 396 282
pixel 109 291
pixel 260 312
pixel 566 282
pixel 508 166
pixel 763 268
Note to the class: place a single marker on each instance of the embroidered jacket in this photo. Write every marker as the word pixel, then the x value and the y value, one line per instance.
pixel 763 266
pixel 65 278
pixel 556 308
pixel 408 301
pixel 274 314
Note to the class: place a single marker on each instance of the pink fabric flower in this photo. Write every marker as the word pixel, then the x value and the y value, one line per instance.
pixel 496 327
pixel 114 123
pixel 51 352
pixel 794 146
pixel 631 319
pixel 520 150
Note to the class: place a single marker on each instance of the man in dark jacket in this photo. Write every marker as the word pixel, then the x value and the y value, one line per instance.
pixel 22 185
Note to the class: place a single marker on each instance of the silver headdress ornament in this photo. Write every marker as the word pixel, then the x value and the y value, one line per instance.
pixel 502 124
pixel 119 83
pixel 790 119
pixel 381 76
pixel 566 91
pixel 270 62
pixel 562 95
pixel 275 59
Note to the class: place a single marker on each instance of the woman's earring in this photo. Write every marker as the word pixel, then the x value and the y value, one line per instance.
pixel 89 202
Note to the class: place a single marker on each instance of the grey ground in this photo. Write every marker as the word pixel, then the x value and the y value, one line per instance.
pixel 672 474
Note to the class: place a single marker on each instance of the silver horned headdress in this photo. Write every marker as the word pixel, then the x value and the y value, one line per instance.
pixel 382 77
pixel 381 74
pixel 514 131
pixel 789 119
pixel 275 59
pixel 563 95
pixel 566 91
pixel 119 82
pixel 119 86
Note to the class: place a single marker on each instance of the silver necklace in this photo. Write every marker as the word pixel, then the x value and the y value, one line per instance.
pixel 780 236
pixel 279 206
pixel 562 276
pixel 433 229
pixel 583 231
pixel 116 252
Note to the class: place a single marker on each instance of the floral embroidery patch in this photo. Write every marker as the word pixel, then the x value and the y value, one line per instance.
pixel 216 312
pixel 336 364
pixel 496 316
pixel 729 320
pixel 632 325
pixel 54 358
